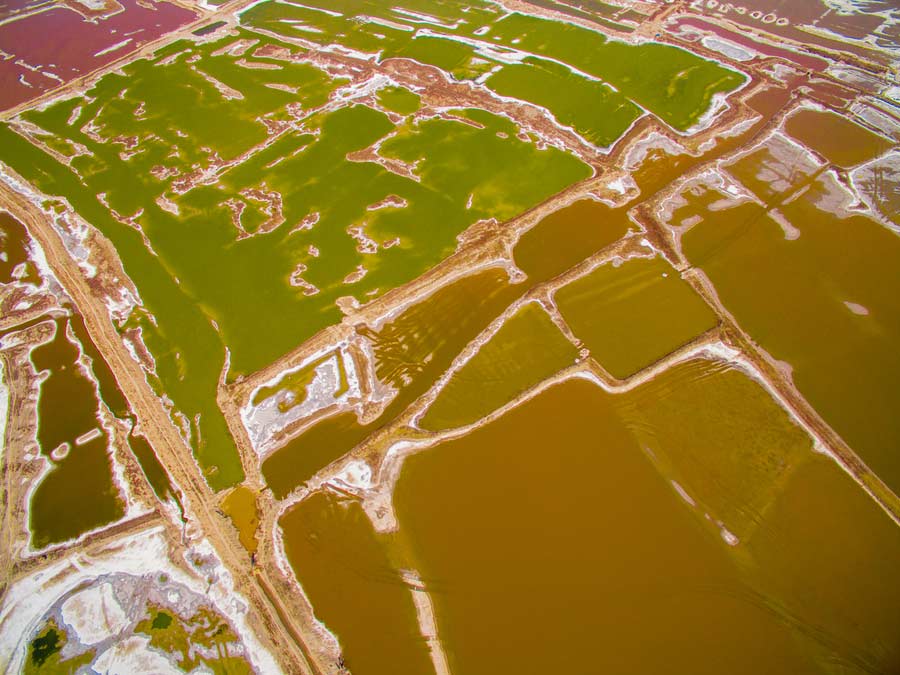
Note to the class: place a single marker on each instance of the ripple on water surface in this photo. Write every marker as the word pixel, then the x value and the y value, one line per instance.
pixel 555 542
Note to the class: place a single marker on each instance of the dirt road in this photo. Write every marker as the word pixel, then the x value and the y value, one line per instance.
pixel 268 621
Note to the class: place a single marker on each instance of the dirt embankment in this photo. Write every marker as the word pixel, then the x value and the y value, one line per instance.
pixel 264 617
pixel 705 149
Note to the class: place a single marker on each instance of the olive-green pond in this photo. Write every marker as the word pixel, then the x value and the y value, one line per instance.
pixel 197 279
pixel 527 349
pixel 194 281
pixel 589 532
pixel 14 250
pixel 68 420
pixel 78 493
pixel 115 400
pixel 672 83
pixel 633 314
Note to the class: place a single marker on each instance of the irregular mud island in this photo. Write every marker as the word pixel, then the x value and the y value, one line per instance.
pixel 449 337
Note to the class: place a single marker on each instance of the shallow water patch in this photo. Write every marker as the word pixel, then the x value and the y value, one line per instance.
pixel 566 237
pixel 550 527
pixel 356 590
pixel 631 315
pixel 843 359
pixel 240 506
pixel 527 349
pixel 78 493
pixel 411 351
pixel 839 140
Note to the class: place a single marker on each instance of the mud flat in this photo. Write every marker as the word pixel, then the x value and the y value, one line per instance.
pixel 807 61
pixel 129 604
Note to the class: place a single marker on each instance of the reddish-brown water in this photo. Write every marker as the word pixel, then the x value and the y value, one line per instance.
pixel 551 544
pixel 836 138
pixel 804 60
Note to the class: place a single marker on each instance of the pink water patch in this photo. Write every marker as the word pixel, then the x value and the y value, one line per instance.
pixel 56 46
pixel 10 7
pixel 803 60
